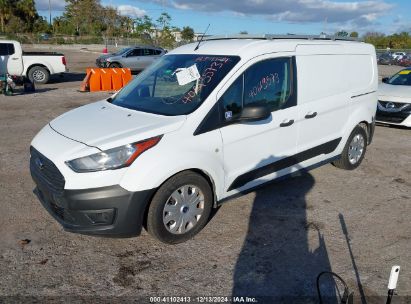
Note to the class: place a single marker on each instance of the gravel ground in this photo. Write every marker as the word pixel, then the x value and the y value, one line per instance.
pixel 271 242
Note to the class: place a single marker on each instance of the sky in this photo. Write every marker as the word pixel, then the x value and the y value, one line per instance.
pixel 267 16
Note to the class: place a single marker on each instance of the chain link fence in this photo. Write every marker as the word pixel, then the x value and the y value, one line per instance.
pixel 67 40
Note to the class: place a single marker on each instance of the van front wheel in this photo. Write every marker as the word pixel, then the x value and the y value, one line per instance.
pixel 180 208
pixel 354 150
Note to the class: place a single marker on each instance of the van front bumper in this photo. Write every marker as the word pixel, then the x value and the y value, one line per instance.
pixel 107 211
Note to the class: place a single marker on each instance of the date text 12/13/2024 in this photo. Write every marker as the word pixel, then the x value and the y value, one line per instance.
pixel 202 299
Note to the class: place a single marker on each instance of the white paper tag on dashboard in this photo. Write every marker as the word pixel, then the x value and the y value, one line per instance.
pixel 187 75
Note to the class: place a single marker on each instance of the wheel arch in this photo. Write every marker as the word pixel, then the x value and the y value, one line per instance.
pixel 209 180
pixel 115 62
pixel 37 65
pixel 364 116
pixel 369 128
pixel 206 175
pixel 200 172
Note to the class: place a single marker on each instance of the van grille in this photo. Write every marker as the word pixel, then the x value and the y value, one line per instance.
pixel 45 169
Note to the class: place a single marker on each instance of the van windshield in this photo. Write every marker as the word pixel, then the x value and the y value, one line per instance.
pixel 175 84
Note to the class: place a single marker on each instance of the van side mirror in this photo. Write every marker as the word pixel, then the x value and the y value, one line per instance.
pixel 254 113
pixel 385 79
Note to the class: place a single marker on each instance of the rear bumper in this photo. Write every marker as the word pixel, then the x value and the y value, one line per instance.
pixel 108 211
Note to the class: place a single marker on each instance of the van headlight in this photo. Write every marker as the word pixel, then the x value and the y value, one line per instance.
pixel 112 159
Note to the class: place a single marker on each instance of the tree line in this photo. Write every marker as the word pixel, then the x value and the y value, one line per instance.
pixel 381 41
pixel 90 18
pixel 18 16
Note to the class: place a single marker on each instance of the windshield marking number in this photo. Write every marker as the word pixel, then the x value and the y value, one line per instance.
pixel 204 80
pixel 264 84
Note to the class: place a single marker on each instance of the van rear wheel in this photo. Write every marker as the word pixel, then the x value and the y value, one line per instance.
pixel 180 208
pixel 354 150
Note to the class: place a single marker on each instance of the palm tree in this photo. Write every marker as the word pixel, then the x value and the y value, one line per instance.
pixel 5 10
pixel 27 10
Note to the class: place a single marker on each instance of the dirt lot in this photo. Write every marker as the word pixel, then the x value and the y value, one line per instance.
pixel 271 242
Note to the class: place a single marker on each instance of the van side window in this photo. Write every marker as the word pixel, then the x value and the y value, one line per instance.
pixel 267 82
pixel 232 100
pixel 6 49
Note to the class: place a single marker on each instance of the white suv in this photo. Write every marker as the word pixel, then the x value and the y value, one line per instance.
pixel 204 123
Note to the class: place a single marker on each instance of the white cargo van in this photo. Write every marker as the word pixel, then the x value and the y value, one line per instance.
pixel 203 124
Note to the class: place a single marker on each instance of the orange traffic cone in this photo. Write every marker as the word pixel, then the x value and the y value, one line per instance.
pixel 85 85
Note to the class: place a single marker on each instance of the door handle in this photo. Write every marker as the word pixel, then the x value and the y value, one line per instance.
pixel 287 123
pixel 311 115
pixel 14 58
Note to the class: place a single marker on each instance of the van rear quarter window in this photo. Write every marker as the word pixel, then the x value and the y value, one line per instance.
pixel 362 72
pixel 321 76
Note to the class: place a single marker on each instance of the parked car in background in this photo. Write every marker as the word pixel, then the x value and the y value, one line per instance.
pixel 394 99
pixel 405 61
pixel 204 124
pixel 37 66
pixel 398 55
pixel 385 59
pixel 135 58
pixel 102 59
pixel 44 36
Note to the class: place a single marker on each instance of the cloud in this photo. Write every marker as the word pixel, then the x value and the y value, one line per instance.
pixel 296 11
pixel 56 5
pixel 131 11
pixel 400 24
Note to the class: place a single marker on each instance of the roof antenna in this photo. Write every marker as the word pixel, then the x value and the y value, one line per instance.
pixel 202 37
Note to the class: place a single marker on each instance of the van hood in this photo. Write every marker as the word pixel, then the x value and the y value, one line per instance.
pixel 105 126
pixel 394 93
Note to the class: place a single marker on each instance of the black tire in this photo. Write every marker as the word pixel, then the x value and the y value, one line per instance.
pixel 155 224
pixel 350 163
pixel 38 74
pixel 115 65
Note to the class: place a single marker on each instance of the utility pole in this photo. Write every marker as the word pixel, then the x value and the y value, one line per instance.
pixel 50 11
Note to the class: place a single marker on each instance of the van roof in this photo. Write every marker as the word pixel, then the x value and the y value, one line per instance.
pixel 250 46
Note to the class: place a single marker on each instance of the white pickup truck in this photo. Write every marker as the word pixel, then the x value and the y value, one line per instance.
pixel 37 66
